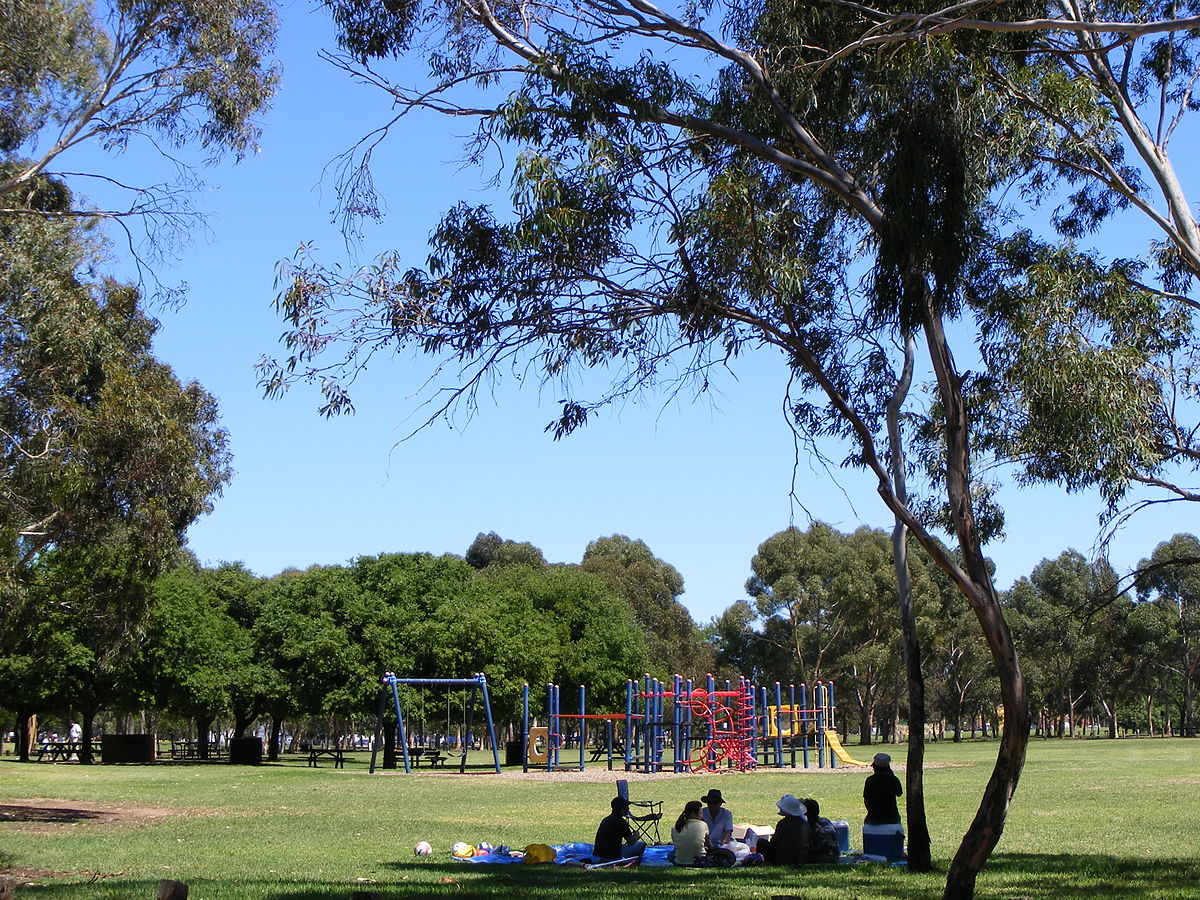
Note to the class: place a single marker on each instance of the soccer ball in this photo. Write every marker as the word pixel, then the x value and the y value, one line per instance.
pixel 462 850
pixel 422 849
pixel 484 848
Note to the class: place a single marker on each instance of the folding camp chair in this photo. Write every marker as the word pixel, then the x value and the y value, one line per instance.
pixel 645 823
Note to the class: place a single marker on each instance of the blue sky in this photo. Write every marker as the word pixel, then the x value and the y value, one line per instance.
pixel 702 483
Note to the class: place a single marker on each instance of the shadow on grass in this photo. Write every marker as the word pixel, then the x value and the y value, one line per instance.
pixel 56 815
pixel 1032 876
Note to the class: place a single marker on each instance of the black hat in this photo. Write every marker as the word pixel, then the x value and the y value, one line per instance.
pixel 619 803
pixel 713 796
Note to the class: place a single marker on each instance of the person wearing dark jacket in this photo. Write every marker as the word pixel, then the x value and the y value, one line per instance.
pixel 880 792
pixel 789 845
pixel 615 838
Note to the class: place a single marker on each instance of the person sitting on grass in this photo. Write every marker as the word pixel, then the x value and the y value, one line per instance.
pixel 615 839
pixel 823 842
pixel 689 837
pixel 720 825
pixel 789 845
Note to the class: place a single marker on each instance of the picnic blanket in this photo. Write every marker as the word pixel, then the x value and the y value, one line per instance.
pixel 565 855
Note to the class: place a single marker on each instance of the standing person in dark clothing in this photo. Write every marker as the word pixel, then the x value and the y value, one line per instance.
pixel 789 845
pixel 615 839
pixel 880 793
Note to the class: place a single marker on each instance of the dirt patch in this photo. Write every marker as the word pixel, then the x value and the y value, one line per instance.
pixel 45 815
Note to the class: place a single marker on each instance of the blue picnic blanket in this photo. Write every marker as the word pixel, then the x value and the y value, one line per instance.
pixel 567 854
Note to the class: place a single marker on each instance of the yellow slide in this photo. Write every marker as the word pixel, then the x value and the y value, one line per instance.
pixel 835 744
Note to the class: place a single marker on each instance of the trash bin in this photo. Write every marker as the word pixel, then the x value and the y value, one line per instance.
pixel 246 751
pixel 128 748
pixel 512 753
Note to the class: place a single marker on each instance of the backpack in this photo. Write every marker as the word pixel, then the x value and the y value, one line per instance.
pixel 823 847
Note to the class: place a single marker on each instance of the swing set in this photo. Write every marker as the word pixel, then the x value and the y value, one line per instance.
pixel 478 686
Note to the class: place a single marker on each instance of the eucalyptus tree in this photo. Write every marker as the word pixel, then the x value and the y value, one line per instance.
pixel 1109 111
pixel 115 73
pixel 102 449
pixel 101 441
pixel 1060 606
pixel 1170 579
pixel 310 628
pixel 663 226
pixel 797 582
pixel 492 550
pixel 652 588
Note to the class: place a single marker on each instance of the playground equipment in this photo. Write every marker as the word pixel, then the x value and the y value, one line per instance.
pixel 706 728
pixel 478 684
pixel 835 746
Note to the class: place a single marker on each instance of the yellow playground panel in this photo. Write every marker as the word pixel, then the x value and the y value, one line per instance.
pixel 789 722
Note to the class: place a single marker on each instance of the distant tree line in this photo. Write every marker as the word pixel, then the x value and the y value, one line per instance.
pixel 224 645
pixel 1118 654
pixel 302 651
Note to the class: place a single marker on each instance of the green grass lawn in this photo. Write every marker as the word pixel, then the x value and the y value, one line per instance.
pixel 1090 818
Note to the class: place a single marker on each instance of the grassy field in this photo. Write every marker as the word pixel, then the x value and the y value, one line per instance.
pixel 1116 819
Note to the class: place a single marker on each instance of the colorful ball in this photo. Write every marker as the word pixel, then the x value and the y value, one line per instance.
pixel 485 847
pixel 422 849
pixel 462 850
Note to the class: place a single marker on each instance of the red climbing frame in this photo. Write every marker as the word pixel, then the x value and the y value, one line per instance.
pixel 728 719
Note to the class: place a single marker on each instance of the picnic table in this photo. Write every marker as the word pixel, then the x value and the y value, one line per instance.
pixel 431 755
pixel 336 753
pixel 190 749
pixel 601 752
pixel 63 750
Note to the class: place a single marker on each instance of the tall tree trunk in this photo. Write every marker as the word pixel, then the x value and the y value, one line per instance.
pixel 26 734
pixel 971 577
pixel 920 853
pixel 276 732
pixel 87 724
pixel 203 727
pixel 988 825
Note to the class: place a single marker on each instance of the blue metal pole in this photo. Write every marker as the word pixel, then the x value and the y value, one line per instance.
pixel 792 730
pixel 752 693
pixel 766 720
pixel 400 726
pixel 549 726
pixel 711 687
pixel 830 721
pixel 821 724
pixel 556 733
pixel 487 709
pixel 778 726
pixel 676 724
pixel 525 727
pixel 646 726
